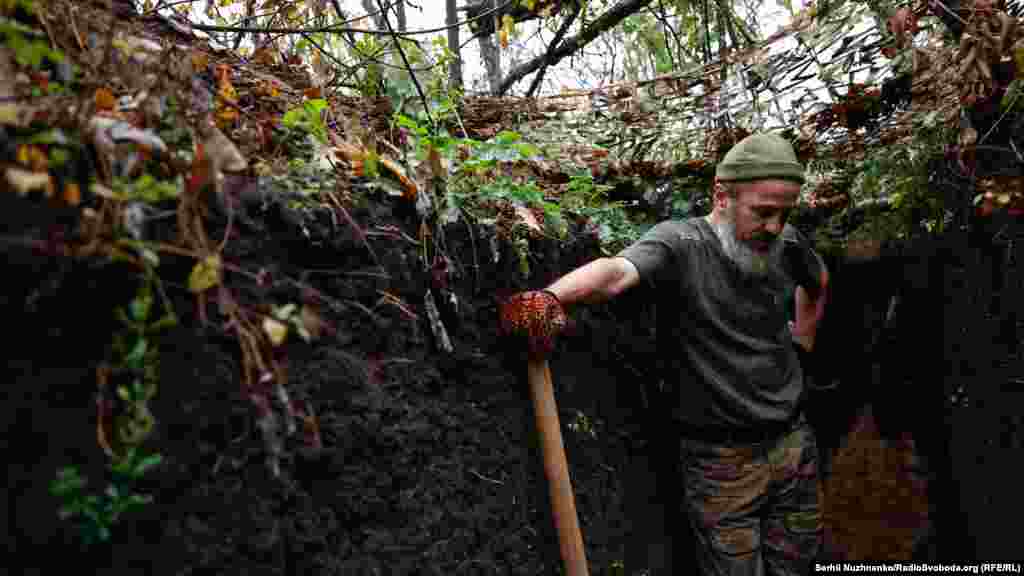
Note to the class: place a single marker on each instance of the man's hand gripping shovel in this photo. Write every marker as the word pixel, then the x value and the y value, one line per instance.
pixel 539 317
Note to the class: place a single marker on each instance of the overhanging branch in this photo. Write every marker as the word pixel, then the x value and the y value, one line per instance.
pixel 554 42
pixel 604 22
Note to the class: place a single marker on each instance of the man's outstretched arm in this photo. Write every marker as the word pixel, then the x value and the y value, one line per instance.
pixel 540 315
pixel 598 281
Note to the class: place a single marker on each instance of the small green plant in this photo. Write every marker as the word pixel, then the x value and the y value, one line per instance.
pixel 133 373
pixel 147 189
pixel 506 146
pixel 308 118
pixel 615 229
pixel 367 50
pixel 134 369
pixel 582 424
pixel 582 192
pixel 95 515
pixel 425 139
pixel 30 47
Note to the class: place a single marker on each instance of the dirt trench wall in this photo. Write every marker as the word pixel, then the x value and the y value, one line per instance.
pixel 430 465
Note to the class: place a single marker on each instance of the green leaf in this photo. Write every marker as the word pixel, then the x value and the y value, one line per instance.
pixel 507 137
pixel 307 117
pixel 137 356
pixel 151 256
pixel 140 307
pixel 168 320
pixel 1012 93
pixel 148 462
pixel 283 312
pixel 527 150
pixel 370 164
pixel 405 122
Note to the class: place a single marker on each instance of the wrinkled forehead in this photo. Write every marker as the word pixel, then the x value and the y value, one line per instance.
pixel 769 193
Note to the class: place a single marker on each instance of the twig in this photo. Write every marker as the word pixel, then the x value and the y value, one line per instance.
pixel 160 6
pixel 380 275
pixel 942 5
pixel 354 225
pixel 172 249
pixel 392 232
pixel 472 243
pixel 1016 95
pixel 485 478
pixel 548 55
pixel 227 229
pixel 330 56
pixel 338 29
pixel 74 28
pixel 388 298
pixel 405 60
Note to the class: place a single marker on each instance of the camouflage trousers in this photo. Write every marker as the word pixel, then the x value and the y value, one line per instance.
pixel 754 508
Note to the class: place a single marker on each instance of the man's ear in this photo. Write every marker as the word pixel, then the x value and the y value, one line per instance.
pixel 718 194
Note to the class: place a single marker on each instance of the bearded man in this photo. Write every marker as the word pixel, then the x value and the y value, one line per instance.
pixel 739 294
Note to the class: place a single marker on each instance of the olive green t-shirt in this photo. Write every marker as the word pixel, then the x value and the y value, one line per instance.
pixel 725 347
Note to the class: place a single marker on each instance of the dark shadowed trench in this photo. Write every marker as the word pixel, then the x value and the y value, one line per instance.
pixel 429 462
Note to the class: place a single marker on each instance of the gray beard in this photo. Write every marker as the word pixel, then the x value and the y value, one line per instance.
pixel 750 262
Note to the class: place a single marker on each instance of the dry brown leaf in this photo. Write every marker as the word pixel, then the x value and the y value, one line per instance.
pixel 33 157
pixel 311 321
pixel 527 217
pixel 224 155
pixel 409 187
pixel 105 100
pixel 72 194
pixel 435 163
pixel 23 181
pixel 265 56
pixel 200 60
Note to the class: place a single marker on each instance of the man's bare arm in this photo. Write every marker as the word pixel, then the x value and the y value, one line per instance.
pixel 809 312
pixel 598 281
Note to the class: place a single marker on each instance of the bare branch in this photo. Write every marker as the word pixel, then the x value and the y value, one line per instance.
pixel 551 48
pixel 340 29
pixel 405 60
pixel 604 22
pixel 455 69
pixel 378 15
pixel 517 10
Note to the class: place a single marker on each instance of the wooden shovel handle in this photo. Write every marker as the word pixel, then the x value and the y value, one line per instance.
pixel 563 504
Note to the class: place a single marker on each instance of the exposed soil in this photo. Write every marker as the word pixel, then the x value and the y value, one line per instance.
pixel 429 462
pixel 428 466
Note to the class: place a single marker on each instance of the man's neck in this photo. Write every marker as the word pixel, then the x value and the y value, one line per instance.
pixel 715 222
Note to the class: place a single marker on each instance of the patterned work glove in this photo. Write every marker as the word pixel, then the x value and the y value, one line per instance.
pixel 536 315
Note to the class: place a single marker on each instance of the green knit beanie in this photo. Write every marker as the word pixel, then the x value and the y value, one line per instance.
pixel 760 157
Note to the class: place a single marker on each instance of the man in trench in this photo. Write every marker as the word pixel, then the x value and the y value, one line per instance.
pixel 739 294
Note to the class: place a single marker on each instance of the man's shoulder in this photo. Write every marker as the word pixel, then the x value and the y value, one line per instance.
pixel 687 229
pixel 793 235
